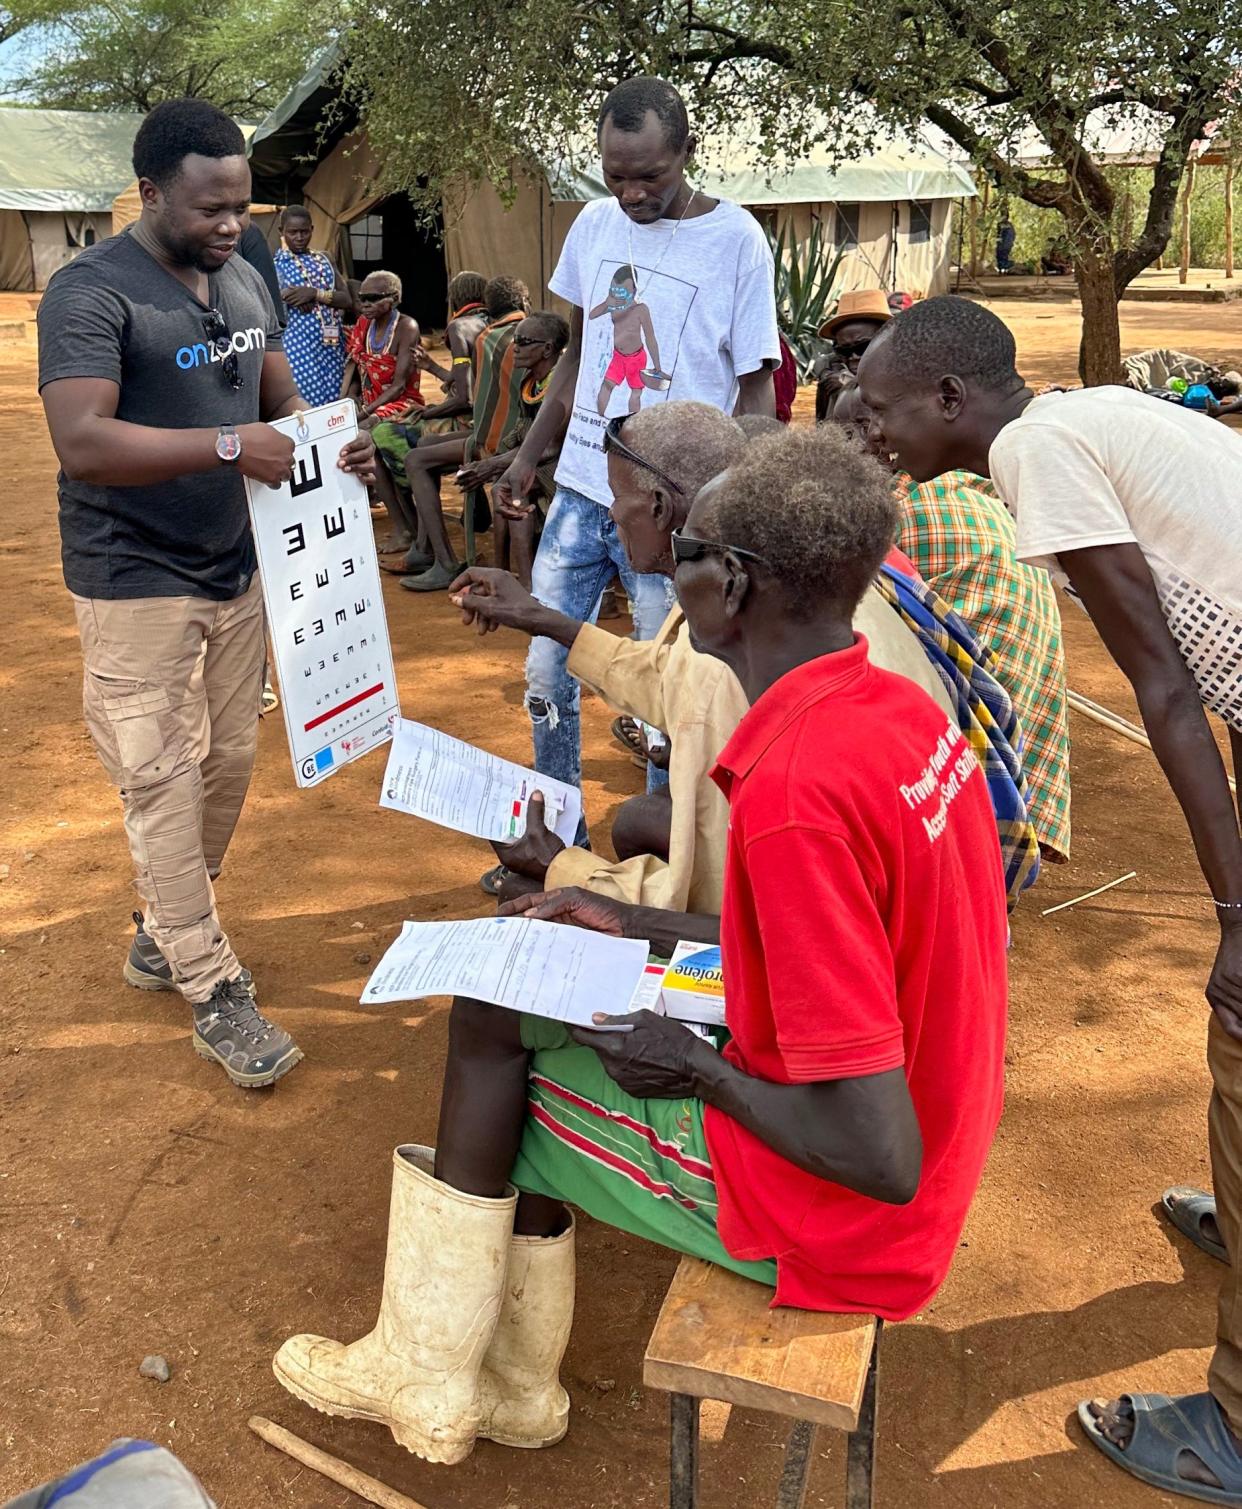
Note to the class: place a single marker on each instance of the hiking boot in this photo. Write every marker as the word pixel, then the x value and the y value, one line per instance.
pixel 148 969
pixel 230 1029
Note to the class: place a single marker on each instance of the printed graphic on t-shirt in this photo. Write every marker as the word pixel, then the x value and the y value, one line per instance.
pixel 937 785
pixel 631 343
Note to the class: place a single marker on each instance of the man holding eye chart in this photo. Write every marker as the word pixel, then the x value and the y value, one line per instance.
pixel 159 359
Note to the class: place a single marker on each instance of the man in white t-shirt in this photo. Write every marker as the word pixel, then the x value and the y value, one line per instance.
pixel 1139 503
pixel 673 298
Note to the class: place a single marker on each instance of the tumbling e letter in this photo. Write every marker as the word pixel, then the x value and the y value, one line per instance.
pixel 333 526
pixel 297 538
pixel 306 480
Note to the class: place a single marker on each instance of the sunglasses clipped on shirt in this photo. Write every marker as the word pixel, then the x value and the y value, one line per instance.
pixel 614 442
pixel 686 550
pixel 217 332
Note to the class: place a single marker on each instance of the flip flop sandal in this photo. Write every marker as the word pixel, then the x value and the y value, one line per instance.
pixel 630 737
pixel 1185 1208
pixel 491 883
pixel 270 700
pixel 1164 1427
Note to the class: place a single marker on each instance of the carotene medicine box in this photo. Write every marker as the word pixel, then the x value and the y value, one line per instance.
pixel 693 988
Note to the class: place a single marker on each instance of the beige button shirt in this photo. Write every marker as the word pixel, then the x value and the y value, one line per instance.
pixel 698 702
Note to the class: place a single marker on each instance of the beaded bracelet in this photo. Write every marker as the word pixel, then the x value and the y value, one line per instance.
pixel 1227 906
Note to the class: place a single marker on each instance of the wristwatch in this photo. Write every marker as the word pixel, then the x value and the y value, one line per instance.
pixel 228 443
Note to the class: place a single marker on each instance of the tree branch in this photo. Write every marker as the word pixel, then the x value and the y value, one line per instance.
pixel 1043 192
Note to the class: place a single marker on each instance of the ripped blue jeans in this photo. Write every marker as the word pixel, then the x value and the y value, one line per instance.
pixel 579 554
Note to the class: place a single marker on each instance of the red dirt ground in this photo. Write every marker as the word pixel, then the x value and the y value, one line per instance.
pixel 146 1206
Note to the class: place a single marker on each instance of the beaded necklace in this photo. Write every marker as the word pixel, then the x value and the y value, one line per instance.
pixel 668 246
pixel 382 349
pixel 534 389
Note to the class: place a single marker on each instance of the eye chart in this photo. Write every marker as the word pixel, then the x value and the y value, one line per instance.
pixel 321 589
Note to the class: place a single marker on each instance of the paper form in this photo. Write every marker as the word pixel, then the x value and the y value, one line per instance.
pixel 450 782
pixel 546 968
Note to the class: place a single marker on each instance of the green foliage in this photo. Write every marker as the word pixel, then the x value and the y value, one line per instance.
pixel 243 55
pixel 806 295
pixel 1207 219
pixel 464 88
pixel 1036 228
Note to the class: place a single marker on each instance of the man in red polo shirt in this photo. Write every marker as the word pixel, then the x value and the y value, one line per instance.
pixel 833 1148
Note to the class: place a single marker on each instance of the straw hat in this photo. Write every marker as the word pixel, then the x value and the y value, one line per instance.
pixel 862 304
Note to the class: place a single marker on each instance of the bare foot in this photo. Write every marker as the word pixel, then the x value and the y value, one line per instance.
pixel 1115 1418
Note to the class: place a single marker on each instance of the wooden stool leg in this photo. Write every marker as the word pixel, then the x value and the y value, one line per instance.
pixel 860 1445
pixel 797 1471
pixel 683 1466
pixel 467 525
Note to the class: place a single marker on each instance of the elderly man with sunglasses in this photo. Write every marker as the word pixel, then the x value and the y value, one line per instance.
pixel 159 358
pixel 658 460
pixel 832 1148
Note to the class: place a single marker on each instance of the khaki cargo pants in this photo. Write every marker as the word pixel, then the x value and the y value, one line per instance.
pixel 171 692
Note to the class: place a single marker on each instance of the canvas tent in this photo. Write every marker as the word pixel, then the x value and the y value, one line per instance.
pixel 59 173
pixel 890 208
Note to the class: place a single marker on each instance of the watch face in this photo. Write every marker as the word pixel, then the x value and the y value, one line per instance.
pixel 228 446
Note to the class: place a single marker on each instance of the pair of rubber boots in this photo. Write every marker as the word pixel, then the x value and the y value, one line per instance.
pixel 472 1327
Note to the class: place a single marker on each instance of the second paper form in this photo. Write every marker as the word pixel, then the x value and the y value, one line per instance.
pixel 447 781
pixel 545 968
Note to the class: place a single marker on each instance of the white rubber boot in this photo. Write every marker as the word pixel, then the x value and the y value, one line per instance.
pixel 520 1393
pixel 417 1372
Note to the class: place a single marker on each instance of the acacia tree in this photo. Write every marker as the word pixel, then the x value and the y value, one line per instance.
pixel 243 55
pixel 453 87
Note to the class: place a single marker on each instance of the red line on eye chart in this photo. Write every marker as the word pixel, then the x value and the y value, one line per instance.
pixel 344 707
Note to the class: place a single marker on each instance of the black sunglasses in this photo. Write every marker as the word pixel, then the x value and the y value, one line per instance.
pixel 374 298
pixel 851 348
pixel 686 550
pixel 217 332
pixel 533 340
pixel 614 442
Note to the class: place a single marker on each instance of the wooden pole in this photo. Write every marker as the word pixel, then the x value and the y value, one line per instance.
pixel 1183 269
pixel 974 236
pixel 1229 218
pixel 367 1488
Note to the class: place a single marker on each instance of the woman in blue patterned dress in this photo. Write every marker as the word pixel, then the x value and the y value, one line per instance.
pixel 315 296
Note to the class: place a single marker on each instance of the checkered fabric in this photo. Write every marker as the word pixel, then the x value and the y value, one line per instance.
pixel 984 714
pixel 961 538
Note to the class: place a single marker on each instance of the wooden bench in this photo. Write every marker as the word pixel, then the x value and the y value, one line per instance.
pixel 716 1338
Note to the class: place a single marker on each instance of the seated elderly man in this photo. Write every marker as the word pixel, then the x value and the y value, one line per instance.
pixel 658 459
pixel 833 1148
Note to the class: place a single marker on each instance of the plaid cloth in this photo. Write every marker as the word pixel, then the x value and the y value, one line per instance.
pixel 961 539
pixel 984 713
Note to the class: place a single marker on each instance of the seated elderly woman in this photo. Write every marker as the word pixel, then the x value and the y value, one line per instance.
pixel 381 375
pixel 832 1154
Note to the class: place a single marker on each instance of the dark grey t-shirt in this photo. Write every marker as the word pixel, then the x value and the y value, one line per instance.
pixel 115 313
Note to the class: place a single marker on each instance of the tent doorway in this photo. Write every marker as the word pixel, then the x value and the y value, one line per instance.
pixel 391 236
